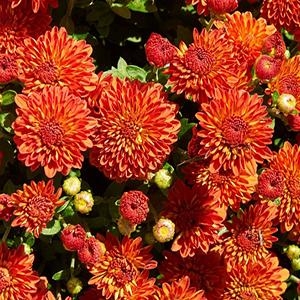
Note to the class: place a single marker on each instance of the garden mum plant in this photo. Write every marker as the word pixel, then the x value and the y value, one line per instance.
pixel 149 149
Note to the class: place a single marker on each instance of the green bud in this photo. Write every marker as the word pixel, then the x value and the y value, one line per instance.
pixel 74 286
pixel 72 186
pixel 292 252
pixel 296 264
pixel 163 179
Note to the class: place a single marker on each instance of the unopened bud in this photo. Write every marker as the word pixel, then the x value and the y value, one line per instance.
pixel 295 264
pixel 163 179
pixel 286 103
pixel 292 252
pixel 125 227
pixel 164 230
pixel 83 202
pixel 72 186
pixel 74 285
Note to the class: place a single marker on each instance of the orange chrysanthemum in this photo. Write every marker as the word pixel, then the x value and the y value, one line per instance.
pixel 206 271
pixel 137 127
pixel 227 187
pixel 56 59
pixel 36 4
pixel 35 206
pixel 17 279
pixel 197 218
pixel 283 14
pixel 250 236
pixel 287 80
pixel 287 162
pixel 179 290
pixel 205 67
pixel 235 129
pixel 18 24
pixel 120 267
pixel 247 34
pixel 52 130
pixel 263 279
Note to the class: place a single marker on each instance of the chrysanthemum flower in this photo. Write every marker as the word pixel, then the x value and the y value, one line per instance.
pixel 179 290
pixel 227 187
pixel 267 67
pixel 287 162
pixel 18 24
pixel 274 46
pixel 204 67
pixel 117 272
pixel 6 207
pixel 9 69
pixel 219 7
pixel 36 4
pixel 42 290
pixel 56 59
pixel 73 237
pixel 35 205
pixel 206 271
pixel 247 34
pixel 137 127
pixel 283 14
pixel 52 130
pixel 197 217
pixel 235 129
pixel 263 279
pixel 250 236
pixel 287 81
pixel 18 280
pixel 159 51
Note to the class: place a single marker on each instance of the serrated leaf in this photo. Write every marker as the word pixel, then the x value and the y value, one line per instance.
pixel 135 72
pixel 60 275
pixel 52 228
pixel 144 6
pixel 185 126
pixel 7 97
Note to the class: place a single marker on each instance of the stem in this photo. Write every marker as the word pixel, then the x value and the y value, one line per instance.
pixel 210 24
pixel 6 232
pixel 72 265
pixel 294 278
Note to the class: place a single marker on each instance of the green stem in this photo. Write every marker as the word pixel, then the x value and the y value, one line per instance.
pixel 294 278
pixel 6 232
pixel 72 265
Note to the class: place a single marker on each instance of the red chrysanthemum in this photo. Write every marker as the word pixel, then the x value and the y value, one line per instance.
pixel 56 59
pixel 137 127
pixel 267 67
pixel 205 67
pixel 35 206
pixel 206 271
pixel 197 217
pixel 18 24
pixel 6 207
pixel 179 290
pixel 270 184
pixel 263 279
pixel 73 237
pixel 294 122
pixel 52 130
pixel 17 279
pixel 159 51
pixel 235 129
pixel 37 5
pixel 134 207
pixel 247 35
pixel 222 6
pixel 42 291
pixel 287 81
pixel 274 46
pixel 250 235
pixel 283 14
pixel 287 162
pixel 9 69
pixel 118 270
pixel 227 187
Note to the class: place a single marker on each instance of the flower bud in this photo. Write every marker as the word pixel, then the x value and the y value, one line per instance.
pixel 220 7
pixel 72 185
pixel 83 202
pixel 9 70
pixel 164 230
pixel 163 179
pixel 286 103
pixel 274 45
pixel 125 227
pixel 74 286
pixel 266 67
pixel 6 207
pixel 295 264
pixel 73 237
pixel 292 252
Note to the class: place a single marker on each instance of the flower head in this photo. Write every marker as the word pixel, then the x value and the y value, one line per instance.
pixel 137 127
pixel 56 59
pixel 35 205
pixel 219 7
pixel 73 237
pixel 205 67
pixel 262 279
pixel 9 69
pixel 266 67
pixel 274 46
pixel 134 206
pixel 20 23
pixel 235 129
pixel 117 271
pixel 6 207
pixel 159 51
pixel 197 217
pixel 52 130
pixel 250 236
pixel 37 5
pixel 18 280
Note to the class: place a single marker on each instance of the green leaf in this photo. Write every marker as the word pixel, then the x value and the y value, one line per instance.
pixel 185 126
pixel 135 72
pixel 80 36
pixel 60 275
pixel 144 6
pixel 7 97
pixel 122 65
pixel 63 207
pixel 121 10
pixel 6 119
pixel 52 228
pixel 275 97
